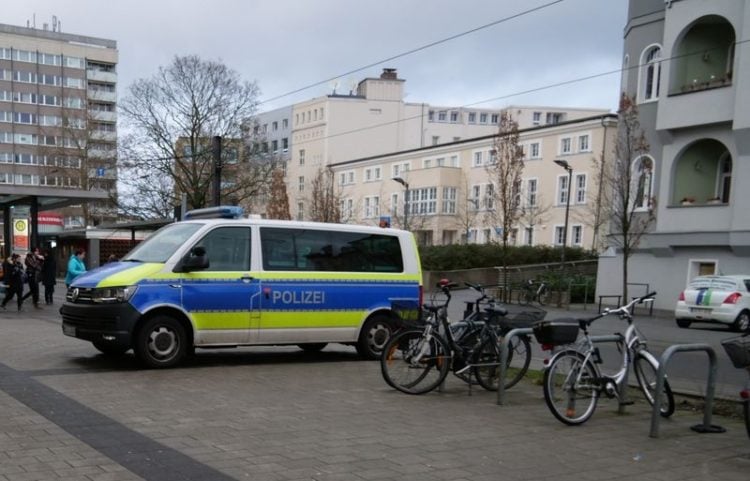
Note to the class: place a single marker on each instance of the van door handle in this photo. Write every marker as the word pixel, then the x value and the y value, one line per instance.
pixel 176 286
pixel 246 279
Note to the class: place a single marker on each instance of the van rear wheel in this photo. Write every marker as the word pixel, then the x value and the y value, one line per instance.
pixel 161 342
pixel 374 335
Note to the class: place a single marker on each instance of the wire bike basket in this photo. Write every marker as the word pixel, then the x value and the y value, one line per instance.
pixel 738 350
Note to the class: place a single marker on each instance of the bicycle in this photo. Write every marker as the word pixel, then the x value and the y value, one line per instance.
pixel 417 360
pixel 738 350
pixel 572 379
pixel 533 291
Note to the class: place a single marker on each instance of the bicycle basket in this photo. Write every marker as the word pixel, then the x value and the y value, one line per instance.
pixel 738 350
pixel 407 311
pixel 520 316
pixel 557 332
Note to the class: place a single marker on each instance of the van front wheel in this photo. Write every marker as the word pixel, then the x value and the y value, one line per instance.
pixel 375 333
pixel 161 342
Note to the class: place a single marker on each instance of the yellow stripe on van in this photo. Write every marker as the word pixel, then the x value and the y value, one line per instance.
pixel 311 319
pixel 129 277
pixel 206 321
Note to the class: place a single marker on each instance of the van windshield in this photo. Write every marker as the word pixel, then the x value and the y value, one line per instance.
pixel 163 243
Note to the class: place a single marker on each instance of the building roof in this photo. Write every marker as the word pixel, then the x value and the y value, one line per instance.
pixel 48 198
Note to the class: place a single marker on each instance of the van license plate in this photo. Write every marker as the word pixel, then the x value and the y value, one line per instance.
pixel 69 330
pixel 700 310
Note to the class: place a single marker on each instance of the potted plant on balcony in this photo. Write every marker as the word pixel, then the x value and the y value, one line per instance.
pixel 687 201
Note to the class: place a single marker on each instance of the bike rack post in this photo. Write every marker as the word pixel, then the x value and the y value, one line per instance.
pixel 661 374
pixel 504 348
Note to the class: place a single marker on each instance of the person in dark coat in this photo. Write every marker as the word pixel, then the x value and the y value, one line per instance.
pixel 15 277
pixel 34 261
pixel 49 276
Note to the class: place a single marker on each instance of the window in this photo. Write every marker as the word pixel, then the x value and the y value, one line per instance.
pixel 483 118
pixel 536 120
pixel 449 200
pixel 725 179
pixel 302 157
pixel 394 204
pixel 531 192
pixel 529 231
pixel 435 139
pixel 577 235
pixel 489 197
pixel 423 201
pixel 454 116
pixel 477 159
pixel 372 207
pixel 300 210
pixel 554 118
pixel 583 143
pixel 472 117
pixel 285 144
pixel 431 116
pixel 427 164
pixel 301 183
pixel 476 194
pixel 285 124
pixel 398 169
pixel 372 174
pixel 535 150
pixel 650 75
pixel 495 118
pixel 442 116
pixel 643 175
pixel 580 189
pixel 74 62
pixel 275 126
pixel 565 146
pixel 319 250
pixel 562 190
pixel 228 249
pixel 275 146
pixel 346 206
pixel 559 235
pixel 453 161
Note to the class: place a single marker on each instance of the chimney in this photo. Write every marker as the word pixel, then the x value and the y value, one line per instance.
pixel 389 74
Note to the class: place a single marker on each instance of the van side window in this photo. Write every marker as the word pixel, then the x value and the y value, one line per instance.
pixel 329 251
pixel 228 249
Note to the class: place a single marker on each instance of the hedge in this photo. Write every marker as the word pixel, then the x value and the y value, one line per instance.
pixel 471 256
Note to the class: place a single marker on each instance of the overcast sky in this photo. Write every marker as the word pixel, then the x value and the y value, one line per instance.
pixel 288 44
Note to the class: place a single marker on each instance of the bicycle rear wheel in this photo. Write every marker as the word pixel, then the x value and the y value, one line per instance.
pixel 413 364
pixel 543 294
pixel 570 387
pixel 645 366
pixel 519 358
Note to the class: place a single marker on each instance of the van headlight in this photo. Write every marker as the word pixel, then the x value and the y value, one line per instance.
pixel 109 295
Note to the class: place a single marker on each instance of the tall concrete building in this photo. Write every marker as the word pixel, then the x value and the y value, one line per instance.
pixel 687 67
pixel 58 116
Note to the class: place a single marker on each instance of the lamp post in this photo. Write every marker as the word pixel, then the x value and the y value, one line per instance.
pixel 564 164
pixel 406 200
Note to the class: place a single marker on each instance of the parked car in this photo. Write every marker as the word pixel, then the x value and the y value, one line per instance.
pixel 716 299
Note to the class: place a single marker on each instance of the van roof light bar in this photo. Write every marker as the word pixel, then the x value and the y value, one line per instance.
pixel 221 212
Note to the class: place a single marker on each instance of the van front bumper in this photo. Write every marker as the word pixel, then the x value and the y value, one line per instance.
pixel 100 322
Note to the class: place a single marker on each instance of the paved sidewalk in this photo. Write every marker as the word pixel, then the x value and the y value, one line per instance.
pixel 69 413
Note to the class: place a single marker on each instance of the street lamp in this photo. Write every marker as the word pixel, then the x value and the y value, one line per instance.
pixel 564 164
pixel 406 200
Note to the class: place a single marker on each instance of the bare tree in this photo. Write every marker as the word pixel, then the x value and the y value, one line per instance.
pixel 325 202
pixel 629 221
pixel 467 210
pixel 278 200
pixel 505 171
pixel 175 114
pixel 594 214
pixel 534 211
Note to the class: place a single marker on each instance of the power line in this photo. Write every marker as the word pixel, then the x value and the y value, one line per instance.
pixel 417 49
pixel 522 92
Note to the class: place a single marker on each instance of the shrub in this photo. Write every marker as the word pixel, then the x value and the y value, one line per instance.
pixel 472 256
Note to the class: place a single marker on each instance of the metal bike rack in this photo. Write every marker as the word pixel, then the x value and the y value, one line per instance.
pixel 504 348
pixel 661 374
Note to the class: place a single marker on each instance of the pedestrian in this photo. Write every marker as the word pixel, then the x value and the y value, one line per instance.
pixel 76 267
pixel 49 276
pixel 34 261
pixel 16 277
pixel 111 258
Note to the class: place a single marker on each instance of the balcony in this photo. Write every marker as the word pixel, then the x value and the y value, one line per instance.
pixel 102 96
pixel 103 116
pixel 101 76
pixel 102 135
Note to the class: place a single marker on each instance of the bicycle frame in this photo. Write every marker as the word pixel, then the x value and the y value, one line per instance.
pixel 631 341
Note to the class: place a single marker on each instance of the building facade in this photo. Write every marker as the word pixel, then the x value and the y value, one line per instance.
pixel 451 191
pixel 686 66
pixel 374 120
pixel 58 115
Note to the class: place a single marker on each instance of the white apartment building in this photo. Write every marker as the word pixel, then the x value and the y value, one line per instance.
pixel 451 193
pixel 375 120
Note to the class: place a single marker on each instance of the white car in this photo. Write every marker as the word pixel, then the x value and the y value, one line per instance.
pixel 717 299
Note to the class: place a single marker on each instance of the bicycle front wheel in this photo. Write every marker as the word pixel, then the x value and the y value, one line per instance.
pixel 414 364
pixel 570 387
pixel 525 297
pixel 645 366
pixel 519 358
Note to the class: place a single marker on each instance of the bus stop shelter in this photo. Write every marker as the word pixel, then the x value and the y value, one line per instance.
pixel 39 199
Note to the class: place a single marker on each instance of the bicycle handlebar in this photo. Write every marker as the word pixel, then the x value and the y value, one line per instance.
pixel 622 310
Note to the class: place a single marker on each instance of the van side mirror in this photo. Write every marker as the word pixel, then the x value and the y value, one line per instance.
pixel 194 260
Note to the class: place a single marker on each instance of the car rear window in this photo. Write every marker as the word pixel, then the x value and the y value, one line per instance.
pixel 713 283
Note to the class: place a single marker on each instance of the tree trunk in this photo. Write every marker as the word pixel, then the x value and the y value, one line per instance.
pixel 625 257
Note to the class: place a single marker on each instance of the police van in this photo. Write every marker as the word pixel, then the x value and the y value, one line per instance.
pixel 218 280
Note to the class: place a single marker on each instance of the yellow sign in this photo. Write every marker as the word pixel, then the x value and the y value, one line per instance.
pixel 21 234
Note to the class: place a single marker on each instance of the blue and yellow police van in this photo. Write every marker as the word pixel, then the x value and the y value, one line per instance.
pixel 218 280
